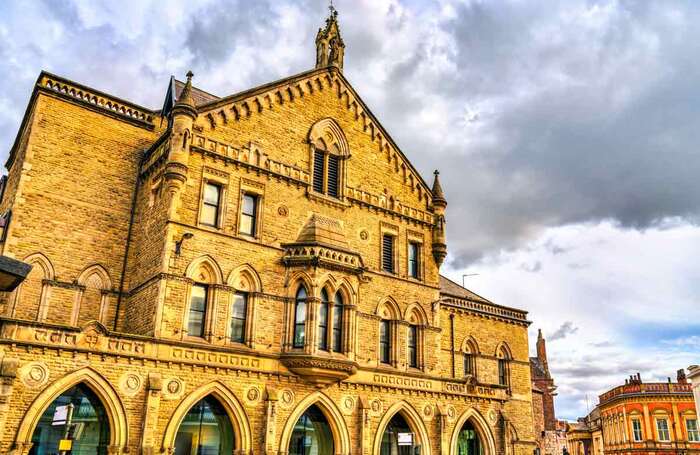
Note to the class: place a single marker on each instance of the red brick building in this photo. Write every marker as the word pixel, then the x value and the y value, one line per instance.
pixel 550 433
pixel 642 419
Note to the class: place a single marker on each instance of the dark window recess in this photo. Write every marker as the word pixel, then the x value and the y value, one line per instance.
pixel 385 341
pixel 211 204
pixel 323 322
pixel 249 214
pixel 468 365
pixel 502 372
pixel 413 346
pixel 319 168
pixel 333 176
pixel 338 324
pixel 299 336
pixel 238 317
pixel 388 253
pixel 198 310
pixel 413 260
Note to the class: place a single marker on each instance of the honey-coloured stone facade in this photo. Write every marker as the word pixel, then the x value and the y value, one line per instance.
pixel 111 204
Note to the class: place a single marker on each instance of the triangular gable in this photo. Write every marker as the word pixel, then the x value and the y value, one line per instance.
pixel 256 100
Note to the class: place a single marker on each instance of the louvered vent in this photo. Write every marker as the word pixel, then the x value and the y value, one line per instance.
pixel 388 253
pixel 318 172
pixel 333 176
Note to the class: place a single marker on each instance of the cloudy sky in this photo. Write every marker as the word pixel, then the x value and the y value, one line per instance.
pixel 566 131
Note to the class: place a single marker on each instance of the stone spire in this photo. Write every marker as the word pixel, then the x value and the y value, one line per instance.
pixel 330 48
pixel 542 351
pixel 185 101
pixel 439 237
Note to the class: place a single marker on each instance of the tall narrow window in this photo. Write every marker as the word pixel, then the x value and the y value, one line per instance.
pixel 414 260
pixel 503 372
pixel 319 170
pixel 333 175
pixel 662 430
pixel 198 310
pixel 468 364
pixel 388 253
pixel 238 317
pixel 299 336
pixel 211 204
pixel 323 322
pixel 249 209
pixel 637 430
pixel 691 425
pixel 385 341
pixel 338 323
pixel 413 346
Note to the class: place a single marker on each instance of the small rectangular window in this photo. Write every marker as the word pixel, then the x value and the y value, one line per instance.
pixel 323 326
pixel 662 430
pixel 319 171
pixel 388 253
pixel 299 324
pixel 385 341
pixel 414 260
pixel 337 328
pixel 249 209
pixel 333 176
pixel 198 311
pixel 502 372
pixel 211 204
pixel 468 365
pixel 413 346
pixel 238 317
pixel 637 430
pixel 691 425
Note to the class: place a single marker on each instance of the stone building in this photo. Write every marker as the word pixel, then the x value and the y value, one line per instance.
pixel 550 433
pixel 694 378
pixel 251 274
pixel 640 418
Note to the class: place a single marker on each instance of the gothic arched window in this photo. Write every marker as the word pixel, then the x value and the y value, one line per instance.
pixel 299 337
pixel 329 150
pixel 337 342
pixel 323 321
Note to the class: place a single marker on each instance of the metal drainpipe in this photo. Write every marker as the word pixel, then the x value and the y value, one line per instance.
pixel 452 342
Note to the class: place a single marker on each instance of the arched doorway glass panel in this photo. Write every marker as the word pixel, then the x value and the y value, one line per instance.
pixel 398 438
pixel 78 415
pixel 312 435
pixel 205 430
pixel 468 442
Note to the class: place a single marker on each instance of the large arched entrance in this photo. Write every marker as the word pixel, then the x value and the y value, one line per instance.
pixel 468 442
pixel 312 434
pixel 210 420
pixel 205 430
pixel 398 439
pixel 77 415
pixel 401 432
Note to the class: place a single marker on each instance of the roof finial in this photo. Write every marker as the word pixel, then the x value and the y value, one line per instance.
pixel 186 95
pixel 330 48
pixel 331 8
pixel 438 195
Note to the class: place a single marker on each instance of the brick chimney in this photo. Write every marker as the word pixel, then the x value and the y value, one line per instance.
pixel 680 377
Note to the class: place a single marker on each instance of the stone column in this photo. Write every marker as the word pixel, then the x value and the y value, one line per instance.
pixel 365 430
pixel 150 414
pixel 270 418
pixel 694 377
pixel 444 434
pixel 8 374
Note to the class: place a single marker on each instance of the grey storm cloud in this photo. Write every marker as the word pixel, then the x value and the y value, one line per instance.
pixel 563 331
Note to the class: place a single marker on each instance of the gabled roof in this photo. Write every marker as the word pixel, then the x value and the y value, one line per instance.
pixel 353 101
pixel 449 287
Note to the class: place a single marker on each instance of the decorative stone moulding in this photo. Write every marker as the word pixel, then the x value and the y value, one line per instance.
pixel 347 404
pixel 252 396
pixel 173 388
pixel 286 398
pixel 34 374
pixel 130 384
pixel 319 371
pixel 376 406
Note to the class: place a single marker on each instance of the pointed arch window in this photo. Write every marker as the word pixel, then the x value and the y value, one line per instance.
pixel 323 314
pixel 385 341
pixel 413 346
pixel 337 343
pixel 299 335
pixel 504 367
pixel 329 149
pixel 239 311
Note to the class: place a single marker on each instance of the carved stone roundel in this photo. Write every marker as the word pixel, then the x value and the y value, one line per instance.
pixel 253 394
pixel 282 210
pixel 364 235
pixel 174 388
pixel 130 383
pixel 348 404
pixel 287 398
pixel 451 412
pixel 492 416
pixel 376 406
pixel 35 374
pixel 428 411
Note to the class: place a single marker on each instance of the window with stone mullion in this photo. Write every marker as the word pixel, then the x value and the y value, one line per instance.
pixel 319 171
